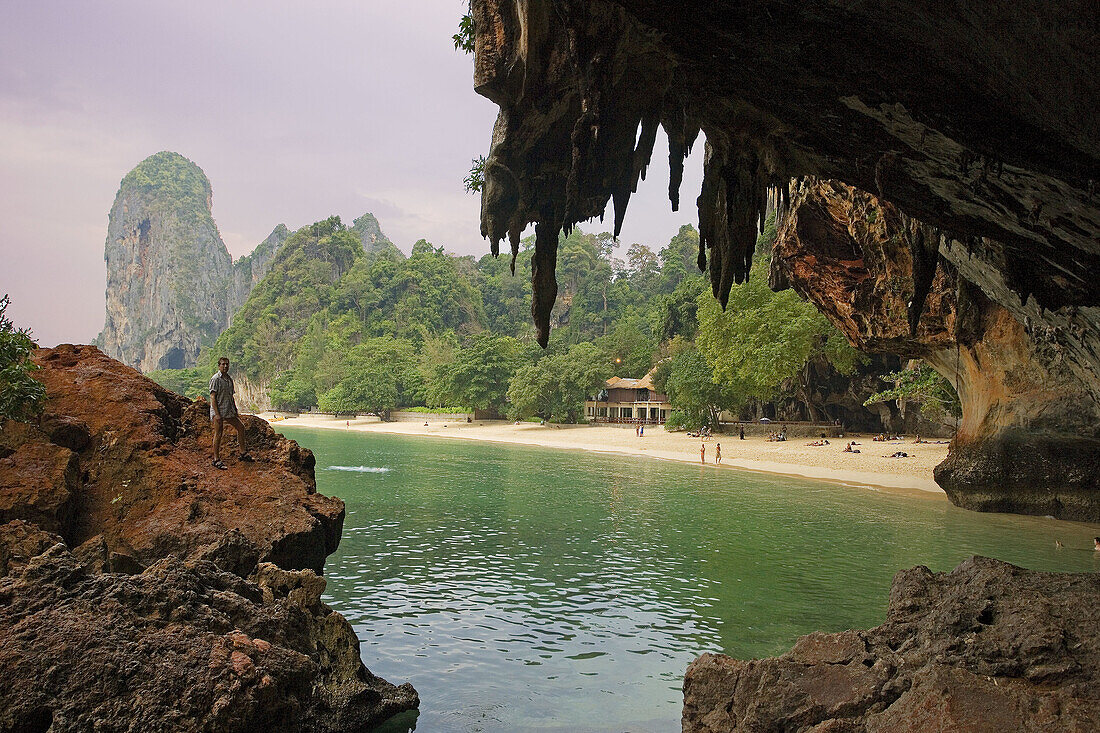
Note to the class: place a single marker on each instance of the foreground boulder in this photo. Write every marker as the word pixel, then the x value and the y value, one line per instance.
pixel 143 589
pixel 180 646
pixel 986 647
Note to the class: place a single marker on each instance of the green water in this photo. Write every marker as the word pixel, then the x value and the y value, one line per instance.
pixel 529 589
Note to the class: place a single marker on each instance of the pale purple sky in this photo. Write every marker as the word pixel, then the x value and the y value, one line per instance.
pixel 294 110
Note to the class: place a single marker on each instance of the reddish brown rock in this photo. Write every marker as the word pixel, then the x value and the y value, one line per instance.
pixel 143 476
pixel 1029 437
pixel 149 623
pixel 37 483
pixel 986 647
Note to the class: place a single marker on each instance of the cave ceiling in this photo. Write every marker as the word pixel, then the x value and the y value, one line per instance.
pixel 977 118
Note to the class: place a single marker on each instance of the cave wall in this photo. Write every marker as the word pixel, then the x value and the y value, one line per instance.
pixel 1029 437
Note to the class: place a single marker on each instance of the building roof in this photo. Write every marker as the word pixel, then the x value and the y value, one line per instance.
pixel 645 382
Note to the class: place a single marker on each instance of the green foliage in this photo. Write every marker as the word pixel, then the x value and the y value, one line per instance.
pixel 21 394
pixel 374 377
pixel 173 177
pixel 464 39
pixel 300 284
pixel 480 372
pixel 556 387
pixel 475 180
pixel 292 392
pixel 350 331
pixel 763 340
pixel 192 382
pixel 691 387
pixel 923 385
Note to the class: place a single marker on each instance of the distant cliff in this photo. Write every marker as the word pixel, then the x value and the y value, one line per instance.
pixel 171 285
pixel 250 269
pixel 166 266
pixel 375 242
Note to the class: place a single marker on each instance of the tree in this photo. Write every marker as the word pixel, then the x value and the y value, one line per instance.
pixel 377 375
pixel 922 384
pixel 695 397
pixel 763 340
pixel 20 393
pixel 293 392
pixel 677 314
pixel 481 371
pixel 556 387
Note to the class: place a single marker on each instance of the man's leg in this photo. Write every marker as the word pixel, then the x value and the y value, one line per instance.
pixel 217 439
pixel 239 427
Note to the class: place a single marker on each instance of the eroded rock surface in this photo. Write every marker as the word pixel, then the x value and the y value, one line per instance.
pixel 976 119
pixel 143 589
pixel 182 645
pixel 986 647
pixel 1029 437
pixel 142 480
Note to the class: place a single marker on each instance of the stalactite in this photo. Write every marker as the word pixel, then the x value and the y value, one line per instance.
pixel 544 282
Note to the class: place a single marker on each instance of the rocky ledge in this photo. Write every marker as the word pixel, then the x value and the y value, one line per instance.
pixel 142 589
pixel 986 647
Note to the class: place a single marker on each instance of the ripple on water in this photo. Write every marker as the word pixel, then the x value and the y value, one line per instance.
pixel 359 469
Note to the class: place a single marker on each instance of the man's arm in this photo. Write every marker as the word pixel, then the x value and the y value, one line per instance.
pixel 214 399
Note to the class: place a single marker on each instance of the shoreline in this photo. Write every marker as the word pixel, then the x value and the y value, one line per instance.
pixel 869 469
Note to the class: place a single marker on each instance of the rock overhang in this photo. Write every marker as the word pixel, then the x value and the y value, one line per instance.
pixel 979 120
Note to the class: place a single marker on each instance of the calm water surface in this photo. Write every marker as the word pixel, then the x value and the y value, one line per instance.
pixel 530 589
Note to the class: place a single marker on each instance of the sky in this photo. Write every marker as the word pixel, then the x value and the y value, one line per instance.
pixel 294 110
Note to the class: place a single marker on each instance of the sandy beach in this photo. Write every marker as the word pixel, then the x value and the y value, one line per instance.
pixel 870 467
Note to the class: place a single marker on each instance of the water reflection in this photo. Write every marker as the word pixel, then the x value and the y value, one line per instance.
pixel 522 589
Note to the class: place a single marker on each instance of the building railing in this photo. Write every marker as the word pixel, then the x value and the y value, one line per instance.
pixel 628 420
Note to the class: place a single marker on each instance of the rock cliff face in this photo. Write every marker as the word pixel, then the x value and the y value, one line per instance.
pixel 250 269
pixel 1029 438
pixel 375 242
pixel 983 648
pixel 171 285
pixel 140 588
pixel 978 120
pixel 166 266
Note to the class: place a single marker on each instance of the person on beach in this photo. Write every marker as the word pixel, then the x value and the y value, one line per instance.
pixel 717 452
pixel 223 409
pixel 742 432
pixel 702 453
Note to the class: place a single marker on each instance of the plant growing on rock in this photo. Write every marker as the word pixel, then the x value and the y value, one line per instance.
pixel 20 393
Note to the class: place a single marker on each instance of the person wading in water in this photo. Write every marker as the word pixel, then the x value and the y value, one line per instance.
pixel 224 410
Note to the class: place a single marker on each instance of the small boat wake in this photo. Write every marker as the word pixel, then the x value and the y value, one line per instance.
pixel 358 469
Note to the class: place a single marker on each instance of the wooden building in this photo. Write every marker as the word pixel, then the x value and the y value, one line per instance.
pixel 629 401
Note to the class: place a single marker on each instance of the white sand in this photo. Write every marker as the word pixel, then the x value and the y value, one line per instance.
pixel 871 467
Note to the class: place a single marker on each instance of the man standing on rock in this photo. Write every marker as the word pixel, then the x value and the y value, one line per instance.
pixel 224 410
